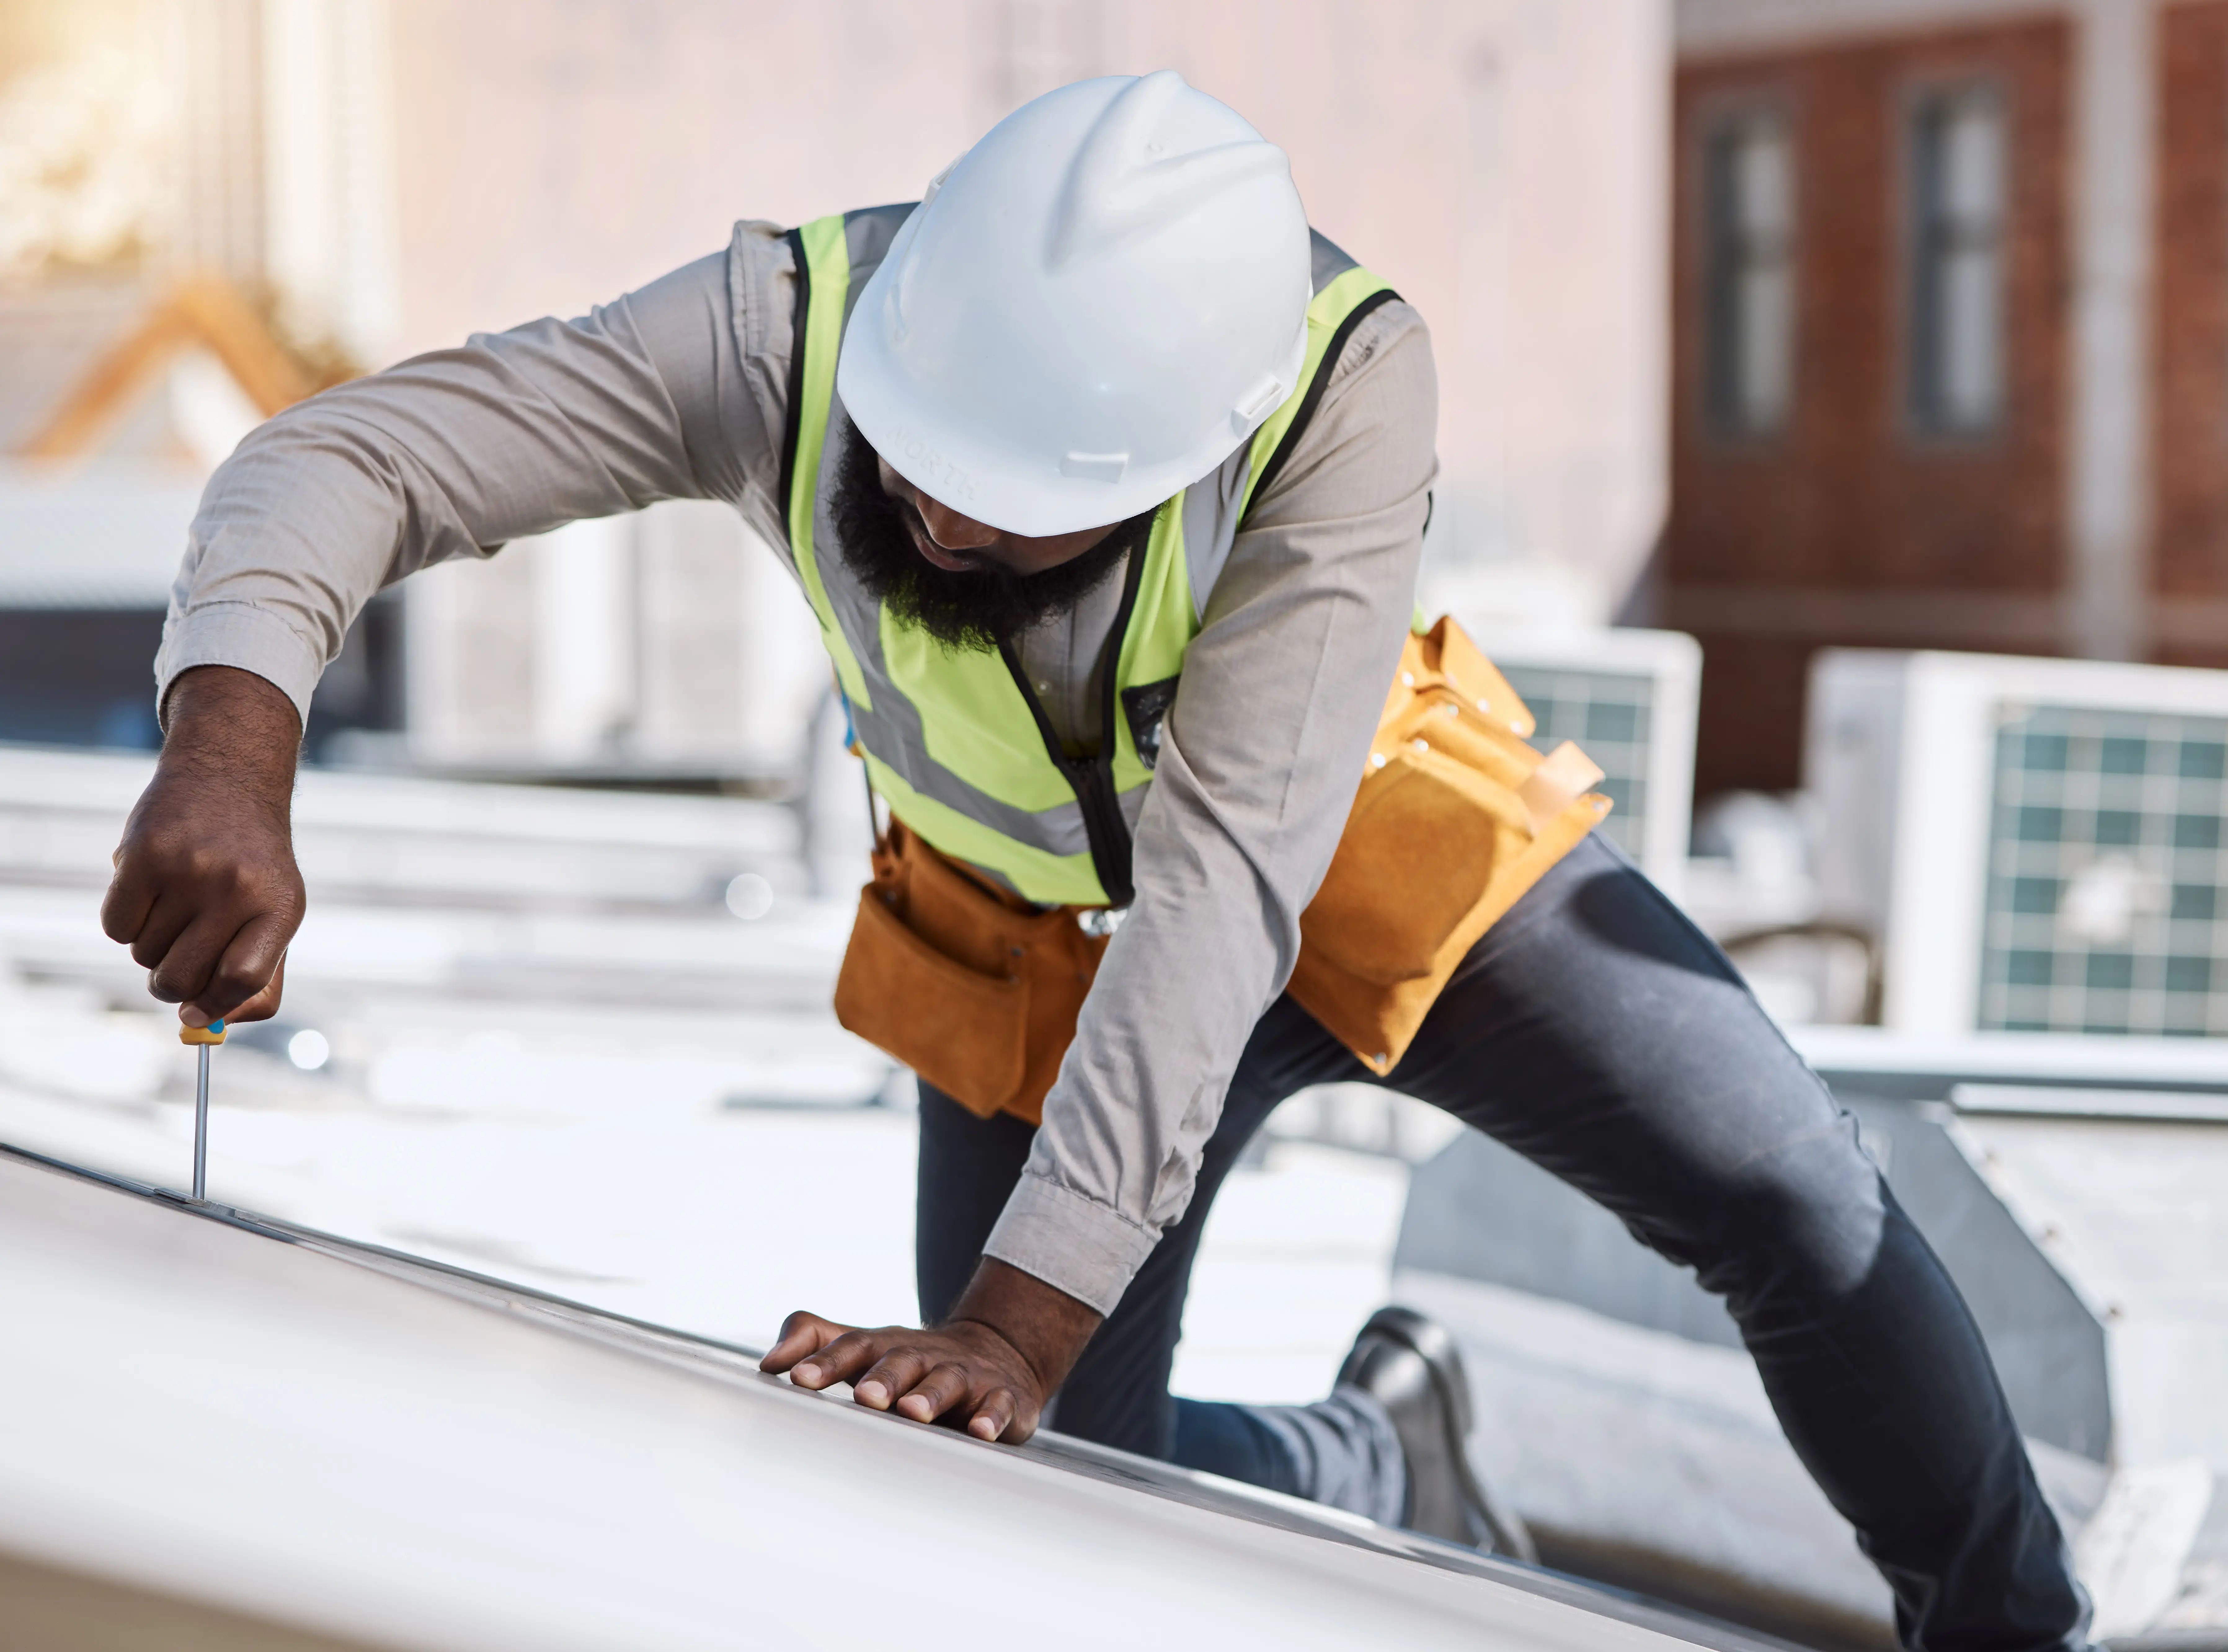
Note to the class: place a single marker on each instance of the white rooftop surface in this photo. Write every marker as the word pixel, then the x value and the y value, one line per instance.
pixel 555 1056
pixel 276 1431
pixel 595 1158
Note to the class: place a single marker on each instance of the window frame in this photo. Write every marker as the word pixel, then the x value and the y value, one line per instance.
pixel 1925 417
pixel 1725 255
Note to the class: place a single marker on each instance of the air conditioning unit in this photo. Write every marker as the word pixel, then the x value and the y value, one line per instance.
pixel 2037 843
pixel 1629 697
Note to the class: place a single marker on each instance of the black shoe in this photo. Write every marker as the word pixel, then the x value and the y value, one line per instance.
pixel 1410 1367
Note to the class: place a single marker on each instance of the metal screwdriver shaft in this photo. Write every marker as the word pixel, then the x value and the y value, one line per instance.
pixel 207 1038
pixel 201 1128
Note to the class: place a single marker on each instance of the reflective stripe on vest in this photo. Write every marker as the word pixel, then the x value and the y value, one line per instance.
pixel 950 742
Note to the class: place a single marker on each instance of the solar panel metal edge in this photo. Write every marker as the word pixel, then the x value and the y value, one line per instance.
pixel 731 1361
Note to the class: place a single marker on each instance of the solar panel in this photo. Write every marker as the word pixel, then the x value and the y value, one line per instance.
pixel 2104 874
pixel 326 1402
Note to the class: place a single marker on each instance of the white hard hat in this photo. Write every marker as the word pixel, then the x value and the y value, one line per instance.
pixel 1088 312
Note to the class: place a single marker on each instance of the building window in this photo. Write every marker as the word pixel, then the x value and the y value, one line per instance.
pixel 1750 187
pixel 1958 261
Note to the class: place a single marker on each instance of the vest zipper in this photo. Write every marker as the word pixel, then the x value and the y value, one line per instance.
pixel 1092 778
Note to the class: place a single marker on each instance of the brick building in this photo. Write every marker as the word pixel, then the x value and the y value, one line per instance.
pixel 1949 341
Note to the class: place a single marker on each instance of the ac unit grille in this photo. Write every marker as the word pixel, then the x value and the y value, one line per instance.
pixel 2107 890
pixel 1610 714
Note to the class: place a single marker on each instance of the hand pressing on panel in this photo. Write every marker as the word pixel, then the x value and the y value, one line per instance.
pixel 989 1368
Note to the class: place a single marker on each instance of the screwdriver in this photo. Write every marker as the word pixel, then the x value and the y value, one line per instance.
pixel 207 1037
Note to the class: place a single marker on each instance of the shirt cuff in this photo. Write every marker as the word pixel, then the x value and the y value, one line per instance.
pixel 241 635
pixel 1075 1245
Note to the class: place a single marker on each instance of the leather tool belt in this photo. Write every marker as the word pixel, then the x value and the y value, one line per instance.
pixel 973 989
pixel 1456 816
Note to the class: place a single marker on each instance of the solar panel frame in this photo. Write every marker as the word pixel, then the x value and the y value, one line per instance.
pixel 2012 779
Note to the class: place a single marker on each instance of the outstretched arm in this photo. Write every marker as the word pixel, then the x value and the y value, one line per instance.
pixel 455 453
pixel 667 393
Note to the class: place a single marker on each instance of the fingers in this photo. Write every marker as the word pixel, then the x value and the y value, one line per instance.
pixel 999 1417
pixel 819 1353
pixel 907 1383
pixel 927 1376
pixel 801 1333
pixel 168 915
pixel 248 971
pixel 936 1393
pixel 262 1007
pixel 892 1378
pixel 206 892
pixel 178 969
pixel 843 1358
pixel 131 898
pixel 214 956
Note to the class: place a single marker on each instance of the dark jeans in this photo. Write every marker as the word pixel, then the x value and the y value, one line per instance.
pixel 1599 1033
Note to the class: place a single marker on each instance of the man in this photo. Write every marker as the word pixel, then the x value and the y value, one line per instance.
pixel 1107 484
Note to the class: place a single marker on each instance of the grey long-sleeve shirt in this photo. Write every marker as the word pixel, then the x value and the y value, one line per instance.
pixel 677 392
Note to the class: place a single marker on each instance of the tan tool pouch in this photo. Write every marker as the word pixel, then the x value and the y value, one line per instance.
pixel 1456 817
pixel 972 989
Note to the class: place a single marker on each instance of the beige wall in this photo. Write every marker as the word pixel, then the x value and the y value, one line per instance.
pixel 1502 163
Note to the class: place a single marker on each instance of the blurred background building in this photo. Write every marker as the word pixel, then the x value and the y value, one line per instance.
pixel 375 178
pixel 1840 323
pixel 1834 429
pixel 1949 354
pixel 196 222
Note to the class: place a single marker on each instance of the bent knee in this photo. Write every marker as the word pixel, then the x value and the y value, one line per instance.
pixel 1805 1218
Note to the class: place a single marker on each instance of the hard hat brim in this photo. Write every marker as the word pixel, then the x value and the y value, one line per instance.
pixel 1096 305
pixel 1031 500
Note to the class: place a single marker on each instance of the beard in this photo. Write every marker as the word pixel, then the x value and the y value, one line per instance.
pixel 981 608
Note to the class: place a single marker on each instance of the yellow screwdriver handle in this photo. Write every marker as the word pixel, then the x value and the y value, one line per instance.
pixel 212 1034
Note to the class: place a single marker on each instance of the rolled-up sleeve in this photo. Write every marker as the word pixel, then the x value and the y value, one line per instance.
pixel 1259 762
pixel 661 394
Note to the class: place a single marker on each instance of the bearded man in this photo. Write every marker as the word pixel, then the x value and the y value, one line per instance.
pixel 1106 480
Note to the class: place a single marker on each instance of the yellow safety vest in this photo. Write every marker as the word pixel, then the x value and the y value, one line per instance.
pixel 953 739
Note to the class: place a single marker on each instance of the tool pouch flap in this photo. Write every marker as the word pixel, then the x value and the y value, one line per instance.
pixel 1454 818
pixel 1444 659
pixel 1419 851
pixel 974 991
pixel 962 1030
